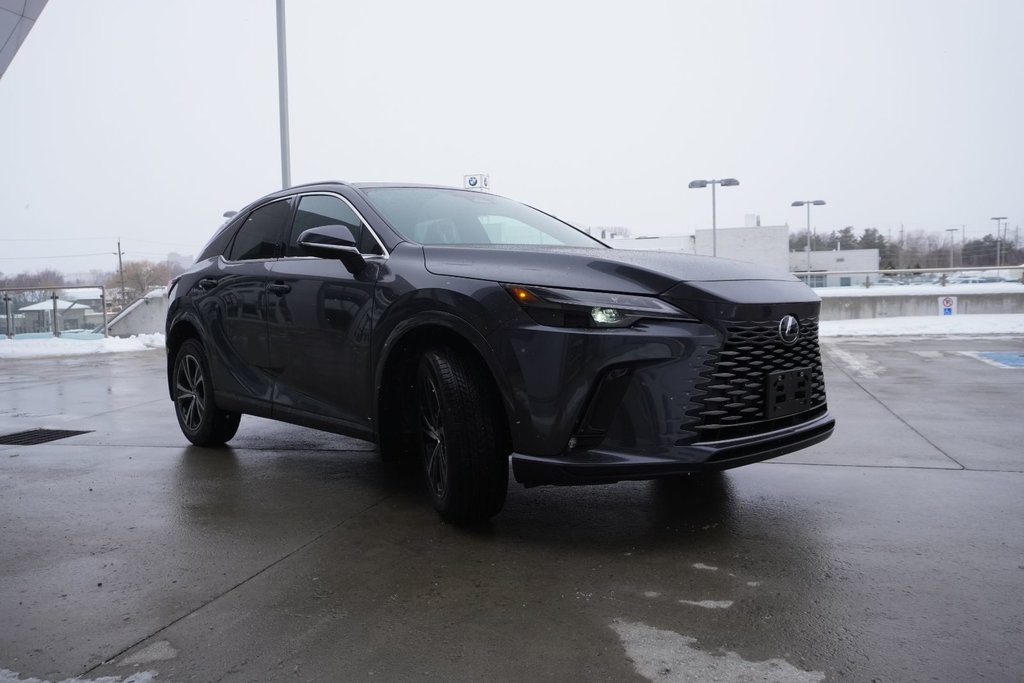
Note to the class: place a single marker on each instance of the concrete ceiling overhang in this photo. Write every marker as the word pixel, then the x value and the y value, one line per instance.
pixel 17 17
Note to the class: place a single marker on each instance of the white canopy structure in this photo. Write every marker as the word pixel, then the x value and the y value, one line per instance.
pixel 17 17
pixel 48 306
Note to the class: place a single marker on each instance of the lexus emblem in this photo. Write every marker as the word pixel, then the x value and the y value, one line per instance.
pixel 789 329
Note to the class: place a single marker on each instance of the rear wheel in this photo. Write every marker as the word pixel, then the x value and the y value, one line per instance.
pixel 461 437
pixel 200 420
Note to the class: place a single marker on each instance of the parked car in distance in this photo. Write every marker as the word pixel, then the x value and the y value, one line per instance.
pixel 462 329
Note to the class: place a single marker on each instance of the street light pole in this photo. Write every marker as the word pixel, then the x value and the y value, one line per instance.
pixel 809 203
pixel 724 182
pixel 282 96
pixel 714 223
pixel 952 232
pixel 997 219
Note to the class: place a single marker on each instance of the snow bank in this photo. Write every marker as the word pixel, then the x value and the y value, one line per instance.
pixel 977 325
pixel 923 290
pixel 61 346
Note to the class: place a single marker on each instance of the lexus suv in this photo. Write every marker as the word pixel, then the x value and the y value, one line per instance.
pixel 464 329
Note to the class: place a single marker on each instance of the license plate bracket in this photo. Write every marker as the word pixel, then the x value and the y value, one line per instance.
pixel 787 392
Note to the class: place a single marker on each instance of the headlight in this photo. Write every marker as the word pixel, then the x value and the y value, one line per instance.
pixel 579 308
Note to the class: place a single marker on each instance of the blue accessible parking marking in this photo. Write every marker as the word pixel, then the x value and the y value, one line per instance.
pixel 1000 359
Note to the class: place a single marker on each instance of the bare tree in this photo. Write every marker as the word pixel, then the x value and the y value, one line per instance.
pixel 45 280
pixel 140 277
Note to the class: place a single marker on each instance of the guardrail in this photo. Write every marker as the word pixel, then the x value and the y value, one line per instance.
pixel 40 318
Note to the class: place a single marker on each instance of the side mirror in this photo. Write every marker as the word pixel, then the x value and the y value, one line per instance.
pixel 333 242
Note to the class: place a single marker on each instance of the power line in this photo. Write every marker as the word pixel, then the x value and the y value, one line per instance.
pixel 33 258
pixel 170 244
pixel 52 239
pixel 78 239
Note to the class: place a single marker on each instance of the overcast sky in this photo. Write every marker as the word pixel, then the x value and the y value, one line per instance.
pixel 148 119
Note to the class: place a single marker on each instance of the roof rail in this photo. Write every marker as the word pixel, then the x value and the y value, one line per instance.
pixel 319 182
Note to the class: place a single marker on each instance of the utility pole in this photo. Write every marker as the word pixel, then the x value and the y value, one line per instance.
pixel 120 268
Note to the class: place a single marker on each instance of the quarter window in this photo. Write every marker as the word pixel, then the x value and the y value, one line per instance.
pixel 260 234
pixel 317 210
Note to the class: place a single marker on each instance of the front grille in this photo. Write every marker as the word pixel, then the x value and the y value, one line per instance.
pixel 731 397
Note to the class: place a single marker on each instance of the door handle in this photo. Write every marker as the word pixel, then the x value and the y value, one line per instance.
pixel 279 288
pixel 206 283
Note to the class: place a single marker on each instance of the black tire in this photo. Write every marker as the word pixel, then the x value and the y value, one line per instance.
pixel 462 438
pixel 201 421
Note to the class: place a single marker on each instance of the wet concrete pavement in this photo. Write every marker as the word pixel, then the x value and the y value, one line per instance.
pixel 892 552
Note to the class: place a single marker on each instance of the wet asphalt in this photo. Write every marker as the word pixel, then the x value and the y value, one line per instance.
pixel 892 552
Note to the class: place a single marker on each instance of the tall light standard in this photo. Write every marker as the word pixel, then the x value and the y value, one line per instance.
pixel 724 182
pixel 809 203
pixel 998 243
pixel 952 234
pixel 282 97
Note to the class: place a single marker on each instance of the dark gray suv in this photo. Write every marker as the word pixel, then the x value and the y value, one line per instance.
pixel 461 328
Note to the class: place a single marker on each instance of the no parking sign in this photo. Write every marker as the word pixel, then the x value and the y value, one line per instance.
pixel 947 305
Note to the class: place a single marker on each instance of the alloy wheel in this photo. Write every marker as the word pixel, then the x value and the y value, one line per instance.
pixel 190 393
pixel 434 450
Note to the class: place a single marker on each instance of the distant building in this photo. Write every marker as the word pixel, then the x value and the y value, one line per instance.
pixel 608 232
pixel 182 260
pixel 767 245
pixel 862 261
pixel 39 317
pixel 87 296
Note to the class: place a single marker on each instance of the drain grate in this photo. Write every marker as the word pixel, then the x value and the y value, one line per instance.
pixel 37 436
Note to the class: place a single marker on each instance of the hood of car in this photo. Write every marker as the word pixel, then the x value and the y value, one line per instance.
pixel 609 270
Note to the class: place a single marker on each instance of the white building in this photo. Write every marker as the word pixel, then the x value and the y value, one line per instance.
pixel 766 245
pixel 813 270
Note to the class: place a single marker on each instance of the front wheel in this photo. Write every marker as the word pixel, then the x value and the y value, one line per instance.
pixel 462 437
pixel 200 420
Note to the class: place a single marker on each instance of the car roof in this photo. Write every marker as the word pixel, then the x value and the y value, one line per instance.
pixel 362 186
pixel 329 184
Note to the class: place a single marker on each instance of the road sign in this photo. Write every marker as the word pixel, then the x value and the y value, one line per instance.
pixel 947 305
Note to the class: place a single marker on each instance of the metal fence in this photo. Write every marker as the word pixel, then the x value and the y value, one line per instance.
pixel 55 311
pixel 910 276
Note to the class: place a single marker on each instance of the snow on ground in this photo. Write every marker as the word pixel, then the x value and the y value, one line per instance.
pixel 69 346
pixel 975 325
pixel 923 290
pixel 8 676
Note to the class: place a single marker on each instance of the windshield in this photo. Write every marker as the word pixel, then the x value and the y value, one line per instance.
pixel 441 216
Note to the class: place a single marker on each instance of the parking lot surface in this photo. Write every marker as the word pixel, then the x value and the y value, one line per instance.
pixel 892 552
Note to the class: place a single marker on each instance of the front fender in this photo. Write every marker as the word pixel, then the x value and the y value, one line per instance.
pixel 395 336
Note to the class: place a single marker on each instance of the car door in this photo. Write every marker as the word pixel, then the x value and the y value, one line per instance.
pixel 232 299
pixel 319 317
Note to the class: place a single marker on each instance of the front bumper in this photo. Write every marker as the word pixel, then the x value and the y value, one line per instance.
pixel 604 466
